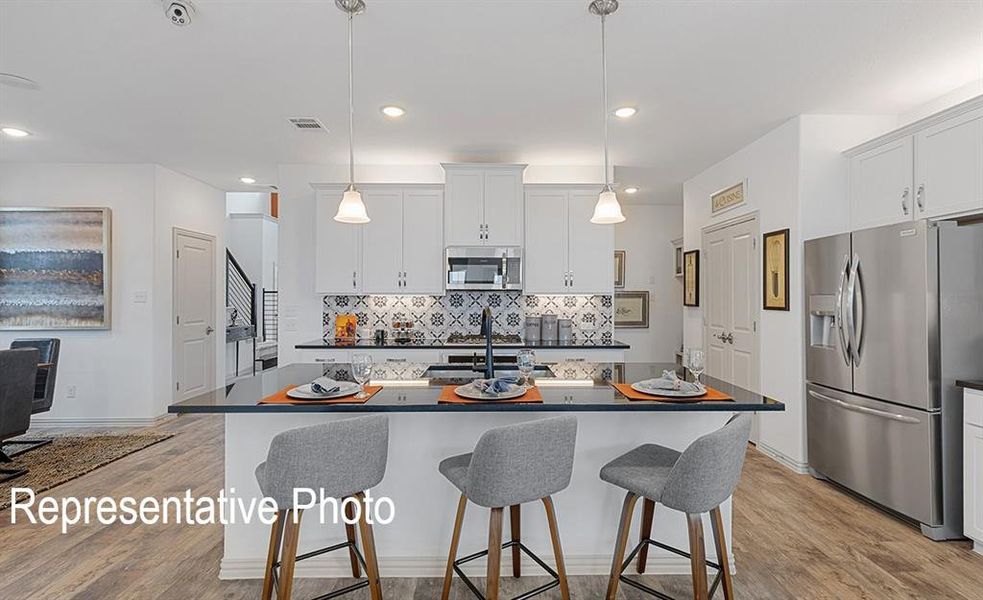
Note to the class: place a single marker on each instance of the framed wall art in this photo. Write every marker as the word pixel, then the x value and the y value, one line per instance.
pixel 619 268
pixel 631 309
pixel 775 275
pixel 728 198
pixel 55 268
pixel 691 278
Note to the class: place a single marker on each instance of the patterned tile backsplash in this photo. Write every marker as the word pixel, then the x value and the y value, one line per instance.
pixel 436 317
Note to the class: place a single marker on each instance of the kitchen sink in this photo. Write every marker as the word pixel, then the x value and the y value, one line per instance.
pixel 464 373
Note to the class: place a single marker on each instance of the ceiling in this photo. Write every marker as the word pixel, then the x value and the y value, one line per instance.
pixel 501 80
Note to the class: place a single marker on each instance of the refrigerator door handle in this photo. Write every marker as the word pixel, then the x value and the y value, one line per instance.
pixel 859 323
pixel 864 409
pixel 838 311
pixel 851 294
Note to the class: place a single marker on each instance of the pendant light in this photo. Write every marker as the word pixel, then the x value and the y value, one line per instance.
pixel 351 209
pixel 607 211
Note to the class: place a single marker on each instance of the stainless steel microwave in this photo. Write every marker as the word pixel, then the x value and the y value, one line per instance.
pixel 483 268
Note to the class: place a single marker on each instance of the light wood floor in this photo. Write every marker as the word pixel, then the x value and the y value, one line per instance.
pixel 794 538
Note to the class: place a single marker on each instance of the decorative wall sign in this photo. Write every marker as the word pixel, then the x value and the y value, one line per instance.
pixel 55 268
pixel 691 278
pixel 727 198
pixel 631 309
pixel 619 268
pixel 776 270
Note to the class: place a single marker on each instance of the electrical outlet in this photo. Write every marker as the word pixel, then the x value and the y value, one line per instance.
pixel 70 391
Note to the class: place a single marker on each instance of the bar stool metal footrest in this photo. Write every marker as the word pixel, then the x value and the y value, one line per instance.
pixel 510 544
pixel 641 586
pixel 351 588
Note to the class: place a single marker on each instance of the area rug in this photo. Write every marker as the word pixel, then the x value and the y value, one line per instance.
pixel 69 457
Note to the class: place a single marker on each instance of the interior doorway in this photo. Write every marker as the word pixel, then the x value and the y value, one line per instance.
pixel 194 314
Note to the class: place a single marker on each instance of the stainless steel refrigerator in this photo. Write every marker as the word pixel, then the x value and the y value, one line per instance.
pixel 894 317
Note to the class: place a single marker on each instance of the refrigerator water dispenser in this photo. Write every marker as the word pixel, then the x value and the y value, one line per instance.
pixel 822 321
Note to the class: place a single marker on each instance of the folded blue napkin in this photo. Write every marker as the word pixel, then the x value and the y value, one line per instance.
pixel 497 385
pixel 325 385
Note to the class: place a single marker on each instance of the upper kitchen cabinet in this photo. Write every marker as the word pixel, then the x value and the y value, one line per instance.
pixel 483 204
pixel 337 256
pixel 880 185
pixel 564 252
pixel 930 169
pixel 423 240
pixel 382 240
pixel 949 166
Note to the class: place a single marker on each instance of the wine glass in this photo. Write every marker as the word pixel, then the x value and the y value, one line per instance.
pixel 697 363
pixel 526 361
pixel 362 371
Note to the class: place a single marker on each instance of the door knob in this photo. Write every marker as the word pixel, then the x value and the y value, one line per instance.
pixel 209 330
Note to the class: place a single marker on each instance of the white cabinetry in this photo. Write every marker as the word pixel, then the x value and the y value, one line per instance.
pixel 564 252
pixel 398 252
pixel 483 204
pixel 973 467
pixel 929 169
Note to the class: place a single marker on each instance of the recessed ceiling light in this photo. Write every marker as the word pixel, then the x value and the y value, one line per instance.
pixel 14 132
pixel 625 111
pixel 631 190
pixel 393 111
pixel 248 180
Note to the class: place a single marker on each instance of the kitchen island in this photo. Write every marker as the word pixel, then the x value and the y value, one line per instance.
pixel 423 432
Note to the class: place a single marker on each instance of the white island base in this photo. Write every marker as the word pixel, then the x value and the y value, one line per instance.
pixel 415 544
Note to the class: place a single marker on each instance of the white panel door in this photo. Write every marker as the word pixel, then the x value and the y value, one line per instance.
pixel 423 241
pixel 545 258
pixel 880 185
pixel 716 258
pixel 464 192
pixel 503 201
pixel 949 166
pixel 591 248
pixel 194 315
pixel 382 241
pixel 336 260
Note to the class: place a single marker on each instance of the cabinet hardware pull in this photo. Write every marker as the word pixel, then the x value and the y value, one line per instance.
pixel 396 360
pixel 904 200
pixel 920 197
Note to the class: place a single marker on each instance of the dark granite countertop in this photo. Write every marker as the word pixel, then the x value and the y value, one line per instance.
pixel 972 385
pixel 579 387
pixel 433 344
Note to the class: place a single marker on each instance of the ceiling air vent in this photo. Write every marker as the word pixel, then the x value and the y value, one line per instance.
pixel 307 124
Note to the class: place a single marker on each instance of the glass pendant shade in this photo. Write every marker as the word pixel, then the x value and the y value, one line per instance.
pixel 352 209
pixel 607 211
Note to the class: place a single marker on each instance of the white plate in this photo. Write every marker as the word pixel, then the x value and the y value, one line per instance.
pixel 472 393
pixel 303 392
pixel 638 387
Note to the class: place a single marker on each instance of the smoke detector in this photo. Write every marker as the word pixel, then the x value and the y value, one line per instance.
pixel 179 12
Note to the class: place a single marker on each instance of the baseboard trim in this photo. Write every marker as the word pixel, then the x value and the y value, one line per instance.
pixel 802 468
pixel 433 566
pixel 103 422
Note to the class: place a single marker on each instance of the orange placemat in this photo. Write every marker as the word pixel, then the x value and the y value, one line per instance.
pixel 282 398
pixel 712 395
pixel 447 396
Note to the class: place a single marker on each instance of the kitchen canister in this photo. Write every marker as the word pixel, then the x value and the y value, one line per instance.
pixel 549 329
pixel 565 330
pixel 533 329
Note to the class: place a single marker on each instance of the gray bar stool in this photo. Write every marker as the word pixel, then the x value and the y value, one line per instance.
pixel 344 458
pixel 511 466
pixel 695 481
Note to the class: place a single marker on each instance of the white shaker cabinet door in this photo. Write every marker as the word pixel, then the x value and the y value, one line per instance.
pixel 881 185
pixel 949 166
pixel 591 248
pixel 382 241
pixel 464 207
pixel 973 483
pixel 336 260
pixel 503 208
pixel 423 242
pixel 545 255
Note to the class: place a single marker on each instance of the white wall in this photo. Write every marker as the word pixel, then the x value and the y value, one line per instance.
pixel 247 203
pixel 646 236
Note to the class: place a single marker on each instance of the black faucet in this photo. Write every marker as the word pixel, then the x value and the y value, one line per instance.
pixel 486 330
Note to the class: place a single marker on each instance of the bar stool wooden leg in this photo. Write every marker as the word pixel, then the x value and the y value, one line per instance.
pixel 276 537
pixel 494 554
pixel 561 569
pixel 350 532
pixel 648 511
pixel 368 548
pixel 698 556
pixel 291 535
pixel 720 541
pixel 515 518
pixel 452 555
pixel 624 528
